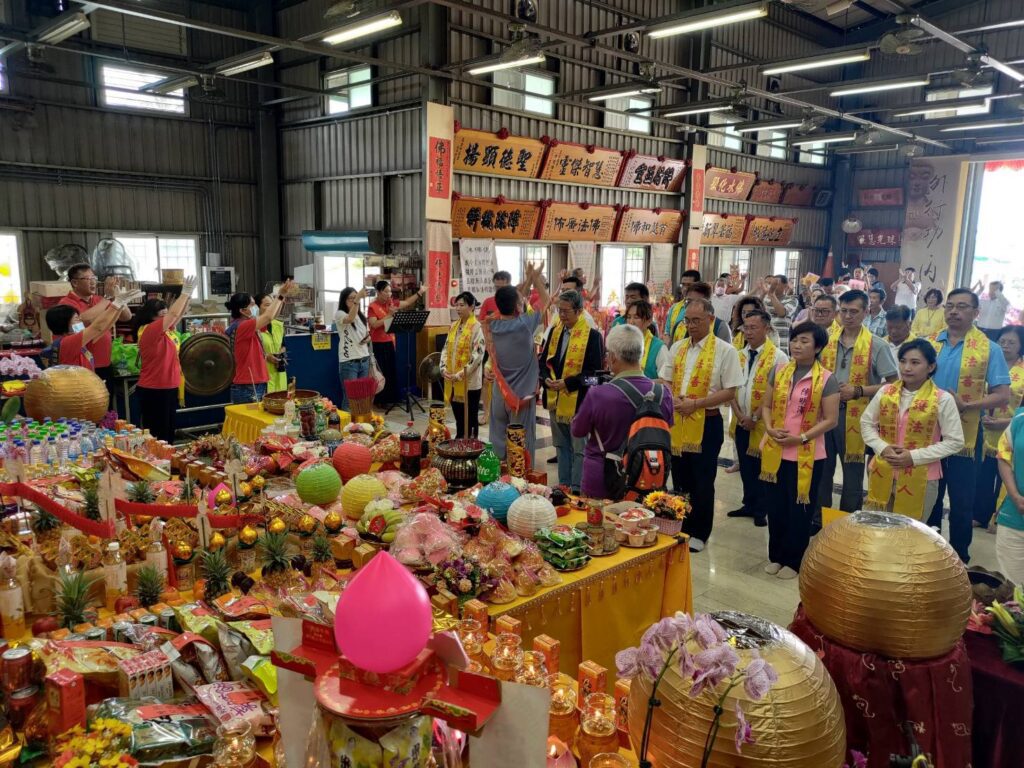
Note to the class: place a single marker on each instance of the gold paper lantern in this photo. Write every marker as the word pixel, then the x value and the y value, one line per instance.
pixel 358 492
pixel 248 535
pixel 798 724
pixel 69 391
pixel 885 584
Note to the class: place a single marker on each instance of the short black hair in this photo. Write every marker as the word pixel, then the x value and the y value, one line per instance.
pixel 999 283
pixel 933 292
pixel 237 303
pixel 501 274
pixel 764 316
pixel 467 297
pixel 851 296
pixel 880 291
pixel 924 347
pixel 724 276
pixel 964 292
pixel 899 314
pixel 702 288
pixel 640 288
pixel 75 270
pixel 507 299
pixel 747 301
pixel 58 319
pixel 826 282
pixel 872 271
pixel 695 274
pixel 644 310
pixel 1017 329
pixel 382 285
pixel 782 279
pixel 830 299
pixel 816 331
pixel 910 269
pixel 259 297
pixel 572 279
pixel 149 312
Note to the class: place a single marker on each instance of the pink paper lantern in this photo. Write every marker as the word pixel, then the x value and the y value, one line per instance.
pixel 351 459
pixel 383 619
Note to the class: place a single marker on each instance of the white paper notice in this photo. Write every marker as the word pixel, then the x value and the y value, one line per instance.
pixel 516 736
pixel 583 255
pixel 479 263
pixel 659 271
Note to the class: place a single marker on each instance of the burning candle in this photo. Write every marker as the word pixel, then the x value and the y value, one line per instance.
pixel 559 755
pixel 608 760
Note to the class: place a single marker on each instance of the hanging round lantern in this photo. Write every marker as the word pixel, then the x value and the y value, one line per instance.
pixel 358 492
pixel 530 512
pixel 351 459
pixel 497 497
pixel 798 724
pixel 886 584
pixel 66 390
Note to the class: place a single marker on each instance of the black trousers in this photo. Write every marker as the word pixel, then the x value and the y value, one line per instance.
pixel 694 474
pixel 750 473
pixel 474 415
pixel 989 484
pixel 384 352
pixel 159 409
pixel 959 477
pixel 789 523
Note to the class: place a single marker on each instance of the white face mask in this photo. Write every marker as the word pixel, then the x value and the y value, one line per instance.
pixel 254 311
pixel 77 327
pixel 719 290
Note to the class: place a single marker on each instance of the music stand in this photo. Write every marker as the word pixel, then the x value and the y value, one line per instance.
pixel 408 321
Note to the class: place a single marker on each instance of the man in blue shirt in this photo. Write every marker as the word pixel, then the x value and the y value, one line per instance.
pixel 959 472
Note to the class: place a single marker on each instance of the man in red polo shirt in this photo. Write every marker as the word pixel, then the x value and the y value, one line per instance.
pixel 90 306
pixel 501 278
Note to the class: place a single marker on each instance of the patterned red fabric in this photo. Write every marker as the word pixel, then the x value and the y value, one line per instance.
pixel 879 694
pixel 998 693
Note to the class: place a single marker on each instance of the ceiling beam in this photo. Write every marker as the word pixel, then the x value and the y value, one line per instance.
pixel 873 30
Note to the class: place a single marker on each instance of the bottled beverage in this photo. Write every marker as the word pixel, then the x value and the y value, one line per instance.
pixel 488 466
pixel 411 451
pixel 37 454
pixel 51 450
pixel 12 609
pixel 62 451
pixel 74 447
pixel 115 574
pixel 156 556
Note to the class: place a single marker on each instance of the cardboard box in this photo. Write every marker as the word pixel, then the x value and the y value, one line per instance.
pixel 591 678
pixel 363 554
pixel 445 601
pixel 148 674
pixel 477 610
pixel 552 650
pixel 65 700
pixel 49 288
pixel 508 624
pixel 622 710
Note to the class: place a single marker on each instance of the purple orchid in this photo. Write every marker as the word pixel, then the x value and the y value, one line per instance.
pixel 859 760
pixel 714 665
pixel 684 659
pixel 744 733
pixel 759 677
pixel 663 634
pixel 627 662
pixel 652 661
pixel 708 631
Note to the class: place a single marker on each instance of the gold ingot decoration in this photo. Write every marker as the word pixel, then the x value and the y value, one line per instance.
pixel 277 525
pixel 69 391
pixel 886 584
pixel 223 496
pixel 258 482
pixel 306 524
pixel 217 541
pixel 182 550
pixel 333 522
pixel 245 489
pixel 248 535
pixel 798 724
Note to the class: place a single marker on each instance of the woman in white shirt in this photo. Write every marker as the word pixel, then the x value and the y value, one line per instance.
pixel 911 425
pixel 462 366
pixel 353 340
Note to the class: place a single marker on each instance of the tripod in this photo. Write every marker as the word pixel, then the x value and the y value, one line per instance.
pixel 408 321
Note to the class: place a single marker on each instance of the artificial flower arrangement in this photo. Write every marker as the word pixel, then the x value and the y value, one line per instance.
pixel 700 648
pixel 1008 626
pixel 463 576
pixel 104 745
pixel 667 506
pixel 17 366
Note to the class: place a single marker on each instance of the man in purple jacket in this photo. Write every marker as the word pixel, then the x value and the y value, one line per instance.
pixel 607 412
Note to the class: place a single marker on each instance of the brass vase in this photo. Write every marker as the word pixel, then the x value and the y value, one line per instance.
pixel 437 432
pixel 515 449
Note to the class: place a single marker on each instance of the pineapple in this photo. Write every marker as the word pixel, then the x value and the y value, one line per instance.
pixel 150 585
pixel 321 551
pixel 141 493
pixel 217 571
pixel 72 598
pixel 91 501
pixel 277 559
pixel 45 522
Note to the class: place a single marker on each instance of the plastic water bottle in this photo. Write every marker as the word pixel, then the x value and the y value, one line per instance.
pixel 74 447
pixel 62 451
pixel 51 450
pixel 37 454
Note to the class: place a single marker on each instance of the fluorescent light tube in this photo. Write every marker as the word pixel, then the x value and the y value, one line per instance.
pixel 816 62
pixel 240 64
pixel 984 126
pixel 637 91
pixel 169 86
pixel 767 125
pixel 701 109
pixel 536 58
pixel 362 28
pixel 880 85
pixel 709 20
pixel 1006 69
pixel 946 105
pixel 824 138
pixel 62 28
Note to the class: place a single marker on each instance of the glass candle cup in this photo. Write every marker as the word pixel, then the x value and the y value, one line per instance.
pixel 507 656
pixel 597 732
pixel 533 670
pixel 563 718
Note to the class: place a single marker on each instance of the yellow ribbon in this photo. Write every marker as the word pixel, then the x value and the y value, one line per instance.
pixel 759 385
pixel 971 384
pixel 459 353
pixel 860 366
pixel 688 431
pixel 1007 411
pixel 739 340
pixel 563 403
pixel 771 453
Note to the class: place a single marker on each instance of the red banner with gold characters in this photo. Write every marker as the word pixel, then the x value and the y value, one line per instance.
pixel 723 229
pixel 643 225
pixel 577 221
pixel 440 168
pixel 798 194
pixel 726 184
pixel 769 230
pixel 891 197
pixel 659 174
pixel 498 153
pixel 494 217
pixel 875 238
pixel 439 269
pixel 766 192
pixel 582 164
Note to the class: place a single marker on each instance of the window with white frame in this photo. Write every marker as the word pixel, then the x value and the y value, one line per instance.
pixel 123 87
pixel 514 258
pixel 946 94
pixel 730 139
pixel 620 266
pixel 10 270
pixel 637 117
pixel 729 256
pixel 787 263
pixel 772 144
pixel 341 271
pixel 537 85
pixel 148 254
pixel 812 154
pixel 358 92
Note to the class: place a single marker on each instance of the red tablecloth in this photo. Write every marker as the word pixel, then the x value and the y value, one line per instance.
pixel 879 694
pixel 998 732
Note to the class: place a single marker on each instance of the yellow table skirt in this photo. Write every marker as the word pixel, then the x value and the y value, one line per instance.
pixel 247 420
pixel 607 606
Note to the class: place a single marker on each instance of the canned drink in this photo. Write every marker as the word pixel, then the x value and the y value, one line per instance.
pixel 20 703
pixel 16 668
pixel 120 631
pixel 149 620
pixel 74 637
pixel 96 633
pixel 168 620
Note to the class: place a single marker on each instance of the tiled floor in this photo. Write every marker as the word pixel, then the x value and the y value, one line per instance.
pixel 729 572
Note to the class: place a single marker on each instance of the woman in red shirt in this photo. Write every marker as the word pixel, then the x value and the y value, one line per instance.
pixel 159 369
pixel 378 314
pixel 247 320
pixel 72 339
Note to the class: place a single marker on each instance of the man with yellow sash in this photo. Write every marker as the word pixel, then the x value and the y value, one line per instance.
pixel 570 358
pixel 675 312
pixel 911 425
pixel 633 293
pixel 758 358
pixel 823 313
pixel 971 368
pixel 721 327
pixel 861 362
pixel 897 328
pixel 703 372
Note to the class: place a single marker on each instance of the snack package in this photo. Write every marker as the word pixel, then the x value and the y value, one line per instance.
pixel 407 745
pixel 198 619
pixel 261 672
pixel 260 634
pixel 162 730
pixel 194 661
pixel 239 701
pixel 96 661
pixel 236 648
pixel 424 540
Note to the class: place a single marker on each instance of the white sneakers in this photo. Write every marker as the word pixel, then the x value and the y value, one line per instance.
pixel 696 545
pixel 772 568
pixel 787 573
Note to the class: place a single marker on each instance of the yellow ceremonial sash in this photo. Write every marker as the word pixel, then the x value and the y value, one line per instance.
pixel 458 357
pixel 905 488
pixel 771 454
pixel 860 367
pixel 971 384
pixel 739 340
pixel 835 327
pixel 758 386
pixel 648 338
pixel 1007 411
pixel 177 345
pixel 688 432
pixel 563 404
pixel 674 316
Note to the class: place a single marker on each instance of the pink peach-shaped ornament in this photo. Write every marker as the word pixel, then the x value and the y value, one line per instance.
pixel 219 496
pixel 383 619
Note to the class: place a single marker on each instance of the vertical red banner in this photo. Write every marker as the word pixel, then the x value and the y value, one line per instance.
pixel 697 191
pixel 440 168
pixel 693 258
pixel 438 273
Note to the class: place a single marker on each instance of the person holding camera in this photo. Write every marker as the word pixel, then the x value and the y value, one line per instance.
pixel 571 357
pixel 272 338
